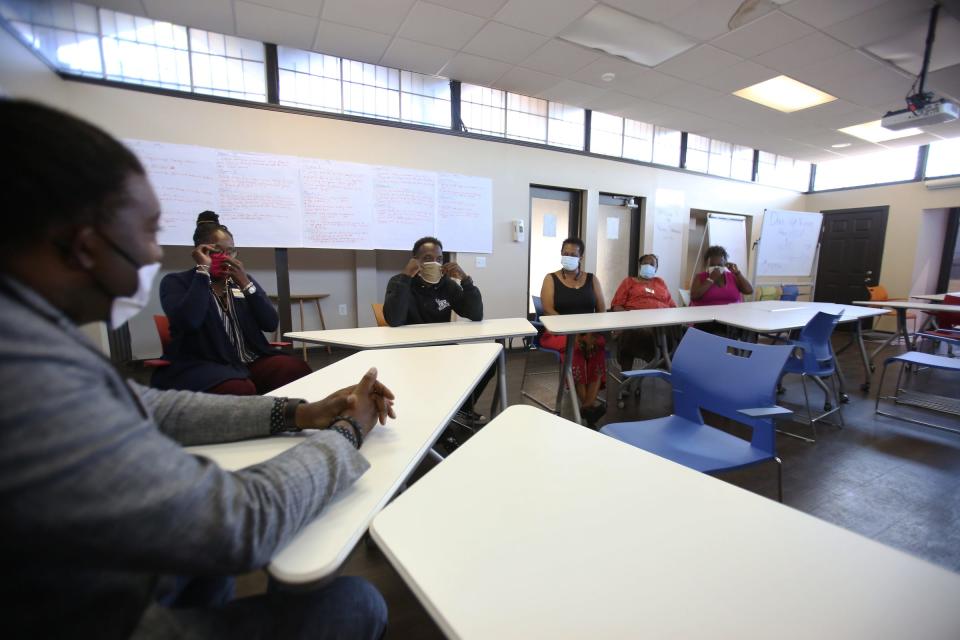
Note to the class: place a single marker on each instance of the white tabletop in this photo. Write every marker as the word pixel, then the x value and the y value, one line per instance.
pixel 765 316
pixel 418 334
pixel 771 315
pixel 938 297
pixel 929 307
pixel 577 535
pixel 393 450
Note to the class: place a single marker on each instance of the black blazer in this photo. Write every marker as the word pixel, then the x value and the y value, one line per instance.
pixel 200 353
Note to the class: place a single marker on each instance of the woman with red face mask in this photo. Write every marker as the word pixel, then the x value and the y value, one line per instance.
pixel 218 314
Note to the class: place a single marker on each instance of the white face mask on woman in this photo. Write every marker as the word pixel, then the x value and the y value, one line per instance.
pixel 430 272
pixel 569 263
pixel 647 271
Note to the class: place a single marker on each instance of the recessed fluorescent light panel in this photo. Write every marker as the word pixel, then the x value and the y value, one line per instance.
pixel 873 132
pixel 621 34
pixel 784 94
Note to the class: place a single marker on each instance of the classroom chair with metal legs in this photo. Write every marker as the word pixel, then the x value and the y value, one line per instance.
pixel 814 360
pixel 736 380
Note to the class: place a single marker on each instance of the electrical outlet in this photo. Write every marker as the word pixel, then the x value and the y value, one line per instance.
pixel 481 262
pixel 343 309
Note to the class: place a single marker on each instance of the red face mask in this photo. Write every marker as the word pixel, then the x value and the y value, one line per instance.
pixel 216 264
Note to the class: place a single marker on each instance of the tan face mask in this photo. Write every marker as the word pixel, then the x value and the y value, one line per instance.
pixel 430 272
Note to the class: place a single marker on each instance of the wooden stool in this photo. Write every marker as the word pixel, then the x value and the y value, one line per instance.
pixel 301 298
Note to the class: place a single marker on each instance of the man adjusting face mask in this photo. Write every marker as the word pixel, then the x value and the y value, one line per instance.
pixel 123 308
pixel 431 272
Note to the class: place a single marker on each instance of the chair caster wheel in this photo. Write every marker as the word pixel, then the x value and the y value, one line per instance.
pixel 844 398
pixel 873 368
pixel 827 406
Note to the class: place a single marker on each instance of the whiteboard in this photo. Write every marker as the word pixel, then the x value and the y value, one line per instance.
pixel 730 232
pixel 788 242
pixel 270 200
pixel 670 219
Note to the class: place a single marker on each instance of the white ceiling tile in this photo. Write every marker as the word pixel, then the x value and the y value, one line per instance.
pixel 416 56
pixel 271 25
pixel 623 70
pixel 802 52
pixel 835 73
pixel 699 62
pixel 505 43
pixel 526 81
pixel 642 110
pixel 838 114
pixel 482 8
pixel 215 15
pixel 743 74
pixel 652 10
pixel 906 49
pixel 705 20
pixel 440 26
pixel 609 102
pixel 649 84
pixel 303 7
pixel 474 69
pixel 560 58
pixel 884 88
pixel 350 42
pixel 384 16
pixel 764 34
pixel 545 18
pixel 946 82
pixel 910 141
pixel 573 93
pixel 880 23
pixel 687 121
pixel 689 94
pixel 822 13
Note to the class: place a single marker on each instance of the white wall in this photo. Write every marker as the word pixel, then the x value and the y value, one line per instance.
pixel 358 278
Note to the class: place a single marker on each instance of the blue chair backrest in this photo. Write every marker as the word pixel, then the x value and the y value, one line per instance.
pixel 724 376
pixel 537 306
pixel 815 338
pixel 789 292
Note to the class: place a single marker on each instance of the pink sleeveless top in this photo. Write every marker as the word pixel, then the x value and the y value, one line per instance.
pixel 716 294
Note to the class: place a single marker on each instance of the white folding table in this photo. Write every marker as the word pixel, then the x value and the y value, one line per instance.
pixel 462 331
pixel 393 450
pixel 901 307
pixel 577 535
pixel 935 297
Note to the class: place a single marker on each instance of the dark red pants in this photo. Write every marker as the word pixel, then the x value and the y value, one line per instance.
pixel 266 374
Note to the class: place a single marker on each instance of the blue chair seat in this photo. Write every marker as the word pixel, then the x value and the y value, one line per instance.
pixel 811 367
pixel 694 445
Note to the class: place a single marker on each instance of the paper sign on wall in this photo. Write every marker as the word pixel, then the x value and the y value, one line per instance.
pixel 613 228
pixel 549 226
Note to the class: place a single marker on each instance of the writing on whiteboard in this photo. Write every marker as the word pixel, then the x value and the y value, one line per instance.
pixel 788 242
pixel 287 201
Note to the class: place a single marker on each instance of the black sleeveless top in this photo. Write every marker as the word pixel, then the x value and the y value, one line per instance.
pixel 567 300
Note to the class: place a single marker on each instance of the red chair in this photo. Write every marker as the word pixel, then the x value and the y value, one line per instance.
pixel 163 330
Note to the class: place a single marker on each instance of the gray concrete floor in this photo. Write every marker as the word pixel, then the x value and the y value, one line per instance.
pixel 888 480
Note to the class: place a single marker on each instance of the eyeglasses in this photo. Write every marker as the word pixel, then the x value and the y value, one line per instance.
pixel 230 253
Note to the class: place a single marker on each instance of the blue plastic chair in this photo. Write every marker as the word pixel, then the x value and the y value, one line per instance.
pixel 901 396
pixel 814 359
pixel 535 344
pixel 737 380
pixel 789 292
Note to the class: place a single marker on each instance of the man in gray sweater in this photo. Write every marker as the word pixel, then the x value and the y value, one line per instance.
pixel 101 509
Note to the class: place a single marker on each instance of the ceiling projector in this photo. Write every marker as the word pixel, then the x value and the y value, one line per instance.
pixel 921 115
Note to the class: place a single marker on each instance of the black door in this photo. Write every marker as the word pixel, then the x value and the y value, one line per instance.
pixel 851 248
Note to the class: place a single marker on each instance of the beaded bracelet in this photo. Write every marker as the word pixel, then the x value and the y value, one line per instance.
pixel 346 433
pixel 357 431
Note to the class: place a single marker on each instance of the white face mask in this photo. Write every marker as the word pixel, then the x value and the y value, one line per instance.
pixel 647 271
pixel 125 308
pixel 717 267
pixel 569 263
pixel 430 272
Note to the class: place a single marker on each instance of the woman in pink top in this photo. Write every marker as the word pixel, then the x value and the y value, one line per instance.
pixel 721 283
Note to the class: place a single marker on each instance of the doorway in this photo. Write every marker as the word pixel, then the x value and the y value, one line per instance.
pixel 618 240
pixel 851 251
pixel 554 216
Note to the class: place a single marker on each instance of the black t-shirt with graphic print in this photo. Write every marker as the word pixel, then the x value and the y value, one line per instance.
pixel 413 301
